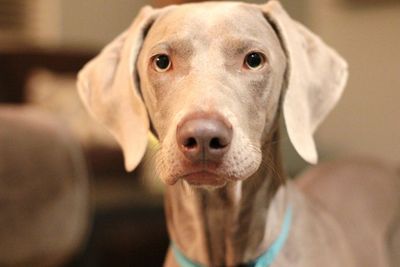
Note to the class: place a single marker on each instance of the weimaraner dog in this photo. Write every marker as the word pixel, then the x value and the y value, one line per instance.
pixel 210 81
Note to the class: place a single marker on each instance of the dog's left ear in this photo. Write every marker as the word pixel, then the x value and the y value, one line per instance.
pixel 109 89
pixel 316 77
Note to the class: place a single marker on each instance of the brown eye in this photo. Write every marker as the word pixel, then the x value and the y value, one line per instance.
pixel 254 60
pixel 161 63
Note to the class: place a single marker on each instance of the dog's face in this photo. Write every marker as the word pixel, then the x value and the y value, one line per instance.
pixel 211 73
pixel 208 77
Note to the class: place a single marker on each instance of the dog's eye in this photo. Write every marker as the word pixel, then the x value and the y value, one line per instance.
pixel 254 60
pixel 161 63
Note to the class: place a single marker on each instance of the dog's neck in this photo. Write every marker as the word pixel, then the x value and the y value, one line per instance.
pixel 233 224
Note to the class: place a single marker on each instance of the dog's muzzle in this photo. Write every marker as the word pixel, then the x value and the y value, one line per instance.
pixel 203 140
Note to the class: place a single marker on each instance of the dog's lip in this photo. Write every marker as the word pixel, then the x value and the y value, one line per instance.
pixel 203 177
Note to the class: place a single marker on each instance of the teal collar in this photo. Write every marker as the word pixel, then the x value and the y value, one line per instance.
pixel 265 260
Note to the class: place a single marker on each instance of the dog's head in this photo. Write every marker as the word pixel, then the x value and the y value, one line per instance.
pixel 210 77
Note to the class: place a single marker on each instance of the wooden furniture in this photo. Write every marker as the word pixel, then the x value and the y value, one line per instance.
pixel 17 64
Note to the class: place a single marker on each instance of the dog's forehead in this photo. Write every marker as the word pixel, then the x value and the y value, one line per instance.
pixel 211 19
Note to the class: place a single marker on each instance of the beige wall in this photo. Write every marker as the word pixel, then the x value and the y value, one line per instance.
pixel 92 23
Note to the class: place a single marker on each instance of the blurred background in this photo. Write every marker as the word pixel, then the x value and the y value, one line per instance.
pixel 65 199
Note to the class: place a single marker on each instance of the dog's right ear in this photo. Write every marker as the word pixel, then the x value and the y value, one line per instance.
pixel 316 77
pixel 109 89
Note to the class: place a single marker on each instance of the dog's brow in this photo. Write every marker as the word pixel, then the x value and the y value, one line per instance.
pixel 180 46
pixel 234 46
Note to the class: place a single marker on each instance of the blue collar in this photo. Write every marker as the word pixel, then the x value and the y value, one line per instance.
pixel 265 260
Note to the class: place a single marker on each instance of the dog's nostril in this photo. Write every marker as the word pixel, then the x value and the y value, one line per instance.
pixel 190 143
pixel 216 143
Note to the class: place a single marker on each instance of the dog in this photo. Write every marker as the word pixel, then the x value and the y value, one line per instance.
pixel 210 80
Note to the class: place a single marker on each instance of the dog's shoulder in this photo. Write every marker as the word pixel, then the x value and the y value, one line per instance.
pixel 364 182
pixel 364 197
pixel 364 187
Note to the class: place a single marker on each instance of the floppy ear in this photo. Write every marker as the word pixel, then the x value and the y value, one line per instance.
pixel 110 92
pixel 316 77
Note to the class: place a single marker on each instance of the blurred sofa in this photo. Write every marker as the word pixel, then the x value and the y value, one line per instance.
pixel 44 193
pixel 126 226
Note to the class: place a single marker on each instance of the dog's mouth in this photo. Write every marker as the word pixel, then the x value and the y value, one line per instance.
pixel 204 178
pixel 208 174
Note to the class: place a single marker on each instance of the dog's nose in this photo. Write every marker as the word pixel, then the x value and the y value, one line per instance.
pixel 204 139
